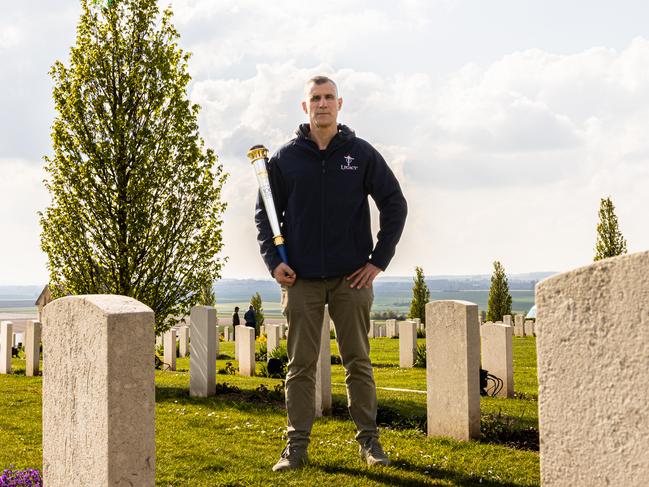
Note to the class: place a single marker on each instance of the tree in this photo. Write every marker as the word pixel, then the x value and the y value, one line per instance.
pixel 136 196
pixel 610 241
pixel 257 306
pixel 500 301
pixel 207 296
pixel 420 296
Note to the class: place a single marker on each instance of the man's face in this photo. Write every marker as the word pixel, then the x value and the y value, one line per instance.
pixel 322 105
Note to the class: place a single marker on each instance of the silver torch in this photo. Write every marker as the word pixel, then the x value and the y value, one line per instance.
pixel 258 156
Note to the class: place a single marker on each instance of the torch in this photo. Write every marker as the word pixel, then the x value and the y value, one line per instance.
pixel 258 156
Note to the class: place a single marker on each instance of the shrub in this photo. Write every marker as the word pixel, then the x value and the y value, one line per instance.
pixel 336 360
pixel 281 353
pixel 262 355
pixel 420 356
pixel 421 333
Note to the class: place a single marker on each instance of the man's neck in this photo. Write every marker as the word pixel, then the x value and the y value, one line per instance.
pixel 322 136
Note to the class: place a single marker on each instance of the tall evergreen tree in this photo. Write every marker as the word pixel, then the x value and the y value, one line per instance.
pixel 420 296
pixel 610 241
pixel 258 307
pixel 136 196
pixel 500 301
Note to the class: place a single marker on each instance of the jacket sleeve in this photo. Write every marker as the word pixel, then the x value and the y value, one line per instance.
pixel 264 232
pixel 382 185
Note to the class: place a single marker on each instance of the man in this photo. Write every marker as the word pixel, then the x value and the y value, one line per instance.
pixel 321 180
pixel 235 320
pixel 250 318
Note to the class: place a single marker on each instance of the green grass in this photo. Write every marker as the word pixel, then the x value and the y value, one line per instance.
pixel 232 439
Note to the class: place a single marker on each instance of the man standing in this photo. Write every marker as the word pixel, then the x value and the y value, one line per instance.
pixel 235 320
pixel 251 318
pixel 321 180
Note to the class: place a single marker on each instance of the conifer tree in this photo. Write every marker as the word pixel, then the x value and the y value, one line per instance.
pixel 610 241
pixel 420 296
pixel 257 306
pixel 136 204
pixel 500 301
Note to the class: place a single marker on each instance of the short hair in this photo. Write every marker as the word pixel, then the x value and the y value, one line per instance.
pixel 320 80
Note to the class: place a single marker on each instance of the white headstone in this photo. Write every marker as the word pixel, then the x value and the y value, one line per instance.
pixel 453 369
pixel 593 346
pixel 98 392
pixel 183 341
pixel 273 339
pixel 202 352
pixel 169 340
pixel 6 332
pixel 407 343
pixel 246 338
pixel 32 348
pixel 497 355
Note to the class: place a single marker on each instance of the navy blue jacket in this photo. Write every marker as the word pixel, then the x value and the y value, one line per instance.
pixel 322 206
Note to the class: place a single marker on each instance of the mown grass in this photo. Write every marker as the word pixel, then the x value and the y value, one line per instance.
pixel 234 438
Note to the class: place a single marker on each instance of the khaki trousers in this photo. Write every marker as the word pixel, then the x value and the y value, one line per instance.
pixel 350 311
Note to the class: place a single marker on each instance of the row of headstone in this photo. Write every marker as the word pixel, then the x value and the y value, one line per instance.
pixel 391 329
pixel 32 347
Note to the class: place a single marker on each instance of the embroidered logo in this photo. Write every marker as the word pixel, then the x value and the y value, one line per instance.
pixel 348 159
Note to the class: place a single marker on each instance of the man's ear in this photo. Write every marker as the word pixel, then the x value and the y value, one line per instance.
pixel 340 104
pixel 304 107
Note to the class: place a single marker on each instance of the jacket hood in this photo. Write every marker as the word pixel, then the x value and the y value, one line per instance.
pixel 302 132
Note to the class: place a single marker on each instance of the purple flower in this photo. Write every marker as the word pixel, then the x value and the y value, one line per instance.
pixel 21 478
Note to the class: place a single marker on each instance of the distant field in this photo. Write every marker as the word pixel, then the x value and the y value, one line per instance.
pixel 384 299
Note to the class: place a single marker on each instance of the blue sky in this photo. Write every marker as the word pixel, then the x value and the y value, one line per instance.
pixel 505 121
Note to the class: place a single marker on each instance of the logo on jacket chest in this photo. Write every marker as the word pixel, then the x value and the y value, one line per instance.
pixel 348 164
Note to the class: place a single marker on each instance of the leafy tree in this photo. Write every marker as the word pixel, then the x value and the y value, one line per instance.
pixel 136 196
pixel 420 296
pixel 207 296
pixel 257 306
pixel 610 241
pixel 500 301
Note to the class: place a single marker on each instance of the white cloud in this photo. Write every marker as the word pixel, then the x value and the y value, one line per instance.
pixel 499 159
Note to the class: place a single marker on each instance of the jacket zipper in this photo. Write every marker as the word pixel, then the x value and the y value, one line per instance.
pixel 322 219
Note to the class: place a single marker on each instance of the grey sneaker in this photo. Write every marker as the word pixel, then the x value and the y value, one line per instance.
pixel 372 452
pixel 293 456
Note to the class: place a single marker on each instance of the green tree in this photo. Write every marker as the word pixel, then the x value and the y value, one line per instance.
pixel 500 301
pixel 610 241
pixel 420 296
pixel 258 307
pixel 207 296
pixel 136 202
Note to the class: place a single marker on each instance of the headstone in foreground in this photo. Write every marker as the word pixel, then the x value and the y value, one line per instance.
pixel 98 392
pixel 593 344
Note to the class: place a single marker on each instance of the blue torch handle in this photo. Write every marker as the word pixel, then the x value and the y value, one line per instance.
pixel 282 253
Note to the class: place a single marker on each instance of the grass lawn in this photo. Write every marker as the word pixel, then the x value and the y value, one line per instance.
pixel 235 437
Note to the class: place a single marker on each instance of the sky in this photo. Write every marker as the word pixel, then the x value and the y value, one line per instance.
pixel 504 121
